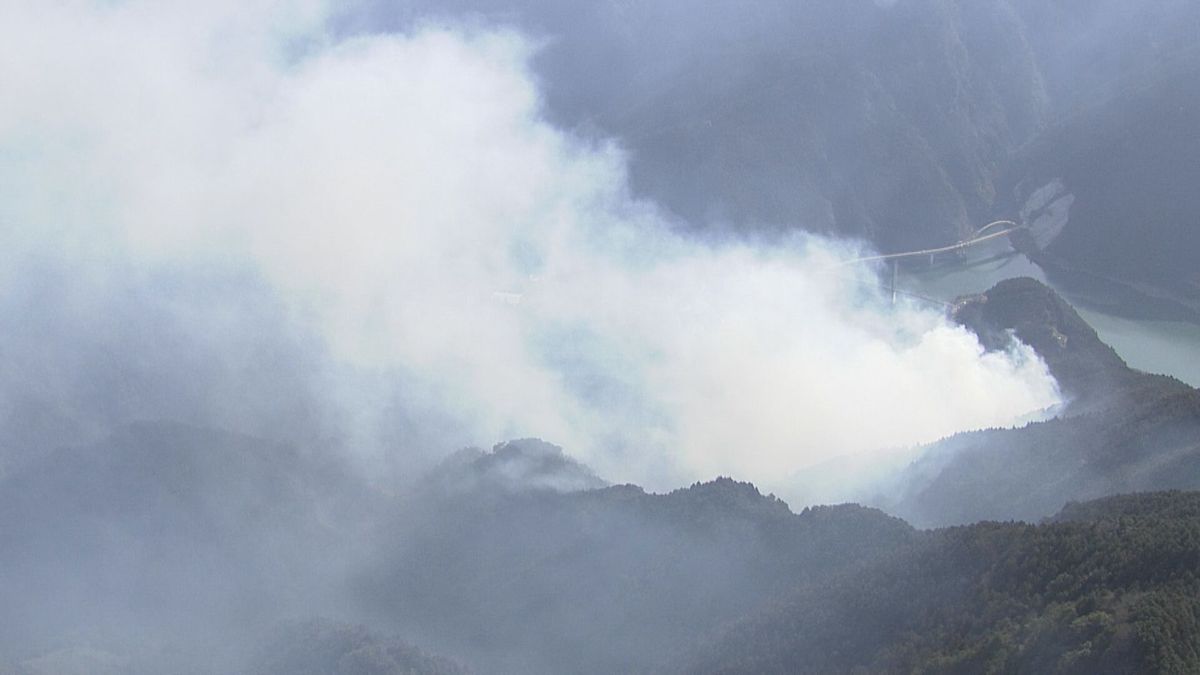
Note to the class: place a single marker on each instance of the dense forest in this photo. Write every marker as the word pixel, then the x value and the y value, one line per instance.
pixel 1110 586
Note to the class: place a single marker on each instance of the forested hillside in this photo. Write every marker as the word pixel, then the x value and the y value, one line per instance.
pixel 1121 430
pixel 609 580
pixel 516 575
pixel 1109 587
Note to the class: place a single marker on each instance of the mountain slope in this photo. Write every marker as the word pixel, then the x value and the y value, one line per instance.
pixel 610 580
pixel 1122 431
pixel 166 534
pixel 328 648
pixel 830 115
pixel 1111 587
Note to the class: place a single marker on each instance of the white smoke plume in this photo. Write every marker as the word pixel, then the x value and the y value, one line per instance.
pixel 405 197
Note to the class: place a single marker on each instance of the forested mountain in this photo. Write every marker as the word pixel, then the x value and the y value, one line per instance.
pixel 185 536
pixel 165 536
pixel 168 548
pixel 1121 431
pixel 366 240
pixel 512 466
pixel 906 122
pixel 884 122
pixel 1089 373
pixel 1130 164
pixel 327 648
pixel 1109 587
pixel 609 580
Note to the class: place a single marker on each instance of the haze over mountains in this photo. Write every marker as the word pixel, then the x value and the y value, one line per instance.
pixel 908 123
pixel 1121 431
pixel 433 267
pixel 186 547
pixel 274 274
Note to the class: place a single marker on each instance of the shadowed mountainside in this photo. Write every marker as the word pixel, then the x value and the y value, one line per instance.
pixel 512 466
pixel 830 115
pixel 609 580
pixel 169 548
pixel 1109 587
pixel 166 535
pixel 328 648
pixel 170 537
pixel 1122 430
pixel 1087 370
pixel 907 123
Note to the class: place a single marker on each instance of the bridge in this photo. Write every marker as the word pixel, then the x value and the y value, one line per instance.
pixel 978 237
pixel 992 230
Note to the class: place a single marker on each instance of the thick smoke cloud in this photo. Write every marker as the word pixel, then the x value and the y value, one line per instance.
pixel 428 260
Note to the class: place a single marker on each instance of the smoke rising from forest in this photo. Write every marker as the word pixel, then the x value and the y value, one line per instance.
pixel 219 213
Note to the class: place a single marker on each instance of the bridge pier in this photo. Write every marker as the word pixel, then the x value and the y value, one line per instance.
pixel 895 275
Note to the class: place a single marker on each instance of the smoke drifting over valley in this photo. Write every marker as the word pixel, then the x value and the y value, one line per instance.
pixel 448 336
pixel 222 215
